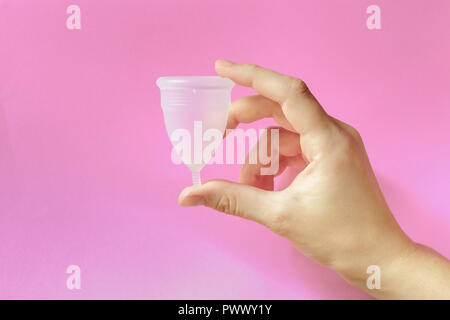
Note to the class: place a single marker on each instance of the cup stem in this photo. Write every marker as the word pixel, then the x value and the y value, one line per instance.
pixel 196 179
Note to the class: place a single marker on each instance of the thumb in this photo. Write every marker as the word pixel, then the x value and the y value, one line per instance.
pixel 233 198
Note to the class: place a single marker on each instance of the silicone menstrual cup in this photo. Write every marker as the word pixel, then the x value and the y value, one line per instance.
pixel 193 105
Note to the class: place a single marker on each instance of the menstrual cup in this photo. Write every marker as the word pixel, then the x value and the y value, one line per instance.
pixel 193 107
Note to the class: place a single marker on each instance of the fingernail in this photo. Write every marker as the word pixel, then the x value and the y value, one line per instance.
pixel 187 198
pixel 190 201
pixel 221 63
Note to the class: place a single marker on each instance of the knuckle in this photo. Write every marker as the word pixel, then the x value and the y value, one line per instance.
pixel 298 86
pixel 227 203
pixel 346 147
pixel 343 138
pixel 355 134
pixel 252 67
pixel 346 141
pixel 346 151
pixel 341 143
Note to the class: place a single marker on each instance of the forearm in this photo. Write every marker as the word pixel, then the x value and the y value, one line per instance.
pixel 419 273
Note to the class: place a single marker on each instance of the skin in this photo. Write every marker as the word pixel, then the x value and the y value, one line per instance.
pixel 334 211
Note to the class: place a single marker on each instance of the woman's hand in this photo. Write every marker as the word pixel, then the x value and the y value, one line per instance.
pixel 334 211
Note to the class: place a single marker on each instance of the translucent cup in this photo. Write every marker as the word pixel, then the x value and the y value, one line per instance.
pixel 195 106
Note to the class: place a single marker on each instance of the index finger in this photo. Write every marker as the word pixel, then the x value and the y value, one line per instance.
pixel 300 107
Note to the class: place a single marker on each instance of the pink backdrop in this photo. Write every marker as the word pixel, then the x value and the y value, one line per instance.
pixel 85 170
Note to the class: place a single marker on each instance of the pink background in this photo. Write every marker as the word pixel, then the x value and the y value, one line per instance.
pixel 85 170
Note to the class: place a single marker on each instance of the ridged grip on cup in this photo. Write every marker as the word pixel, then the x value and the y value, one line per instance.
pixel 194 90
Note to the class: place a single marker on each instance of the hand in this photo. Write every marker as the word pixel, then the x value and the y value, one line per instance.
pixel 334 211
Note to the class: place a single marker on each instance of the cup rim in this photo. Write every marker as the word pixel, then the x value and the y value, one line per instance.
pixel 217 82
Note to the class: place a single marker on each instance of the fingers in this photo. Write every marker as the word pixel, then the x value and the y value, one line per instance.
pixel 299 106
pixel 270 84
pixel 287 153
pixel 232 198
pixel 256 107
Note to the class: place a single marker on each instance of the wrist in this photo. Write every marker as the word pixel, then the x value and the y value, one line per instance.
pixel 386 257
